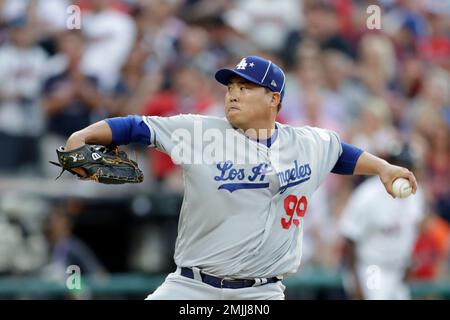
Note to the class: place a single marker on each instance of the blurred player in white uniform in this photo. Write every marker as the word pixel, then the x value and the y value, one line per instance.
pixel 379 236
pixel 241 223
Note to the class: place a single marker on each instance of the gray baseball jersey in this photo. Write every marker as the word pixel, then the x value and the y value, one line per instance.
pixel 243 219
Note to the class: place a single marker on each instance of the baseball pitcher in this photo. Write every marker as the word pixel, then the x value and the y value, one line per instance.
pixel 248 181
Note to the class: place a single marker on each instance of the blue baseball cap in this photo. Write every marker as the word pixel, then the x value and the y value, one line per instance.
pixel 257 70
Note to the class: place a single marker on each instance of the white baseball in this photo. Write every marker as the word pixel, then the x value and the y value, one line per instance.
pixel 401 188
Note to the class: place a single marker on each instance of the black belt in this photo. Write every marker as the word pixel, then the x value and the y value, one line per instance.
pixel 226 283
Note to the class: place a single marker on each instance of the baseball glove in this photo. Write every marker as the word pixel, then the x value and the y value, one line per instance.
pixel 108 165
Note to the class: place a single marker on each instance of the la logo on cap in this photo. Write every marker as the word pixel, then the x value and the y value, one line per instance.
pixel 273 83
pixel 242 65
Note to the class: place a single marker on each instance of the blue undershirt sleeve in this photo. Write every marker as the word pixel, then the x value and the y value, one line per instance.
pixel 346 162
pixel 131 129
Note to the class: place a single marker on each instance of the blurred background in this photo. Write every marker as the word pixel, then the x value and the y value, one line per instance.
pixel 380 89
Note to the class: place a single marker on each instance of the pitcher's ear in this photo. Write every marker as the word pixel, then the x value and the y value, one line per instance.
pixel 276 99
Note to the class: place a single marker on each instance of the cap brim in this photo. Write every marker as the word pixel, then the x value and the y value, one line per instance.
pixel 224 75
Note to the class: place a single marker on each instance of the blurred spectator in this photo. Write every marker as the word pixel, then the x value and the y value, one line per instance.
pixel 431 106
pixel 438 159
pixel 410 80
pixel 70 97
pixel 136 83
pixel 161 29
pixel 429 259
pixel 22 243
pixel 46 16
pixel 321 24
pixel 133 85
pixel 435 46
pixel 264 22
pixel 199 10
pixel 379 235
pixel 12 9
pixel 110 36
pixel 189 94
pixel 307 101
pixel 374 129
pixel 22 71
pixel 48 19
pixel 65 248
pixel 377 64
pixel 193 49
pixel 339 80
pixel 406 25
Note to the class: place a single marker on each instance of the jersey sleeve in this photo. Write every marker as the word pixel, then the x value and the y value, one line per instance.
pixel 173 135
pixel 327 149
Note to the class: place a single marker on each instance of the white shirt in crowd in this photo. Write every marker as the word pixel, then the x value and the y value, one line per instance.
pixel 266 22
pixel 22 73
pixel 52 13
pixel 111 35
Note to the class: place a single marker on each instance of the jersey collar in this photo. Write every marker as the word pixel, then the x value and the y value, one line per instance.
pixel 269 141
pixel 266 142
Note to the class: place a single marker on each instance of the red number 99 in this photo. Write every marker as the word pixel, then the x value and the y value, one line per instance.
pixel 293 205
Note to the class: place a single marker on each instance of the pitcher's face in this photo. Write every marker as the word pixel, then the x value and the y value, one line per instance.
pixel 246 103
